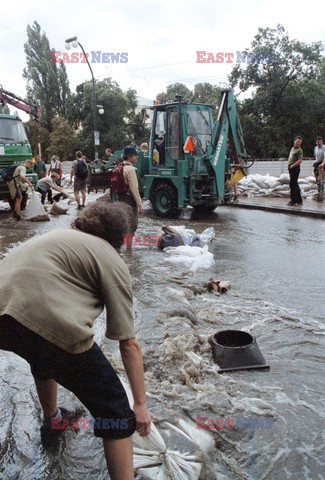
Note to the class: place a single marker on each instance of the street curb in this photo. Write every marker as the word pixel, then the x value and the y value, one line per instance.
pixel 290 210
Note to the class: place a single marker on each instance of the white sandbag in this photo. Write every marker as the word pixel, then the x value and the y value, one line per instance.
pixel 185 250
pixel 153 459
pixel 275 183
pixel 310 179
pixel 207 235
pixel 59 208
pixel 192 258
pixel 280 188
pixel 284 178
pixel 35 211
pixel 308 187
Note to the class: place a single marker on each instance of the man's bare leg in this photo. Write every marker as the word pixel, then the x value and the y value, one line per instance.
pixel 83 194
pixel 119 458
pixel 77 197
pixel 17 206
pixel 47 393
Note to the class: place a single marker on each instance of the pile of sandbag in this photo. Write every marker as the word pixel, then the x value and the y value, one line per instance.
pixel 182 247
pixel 268 186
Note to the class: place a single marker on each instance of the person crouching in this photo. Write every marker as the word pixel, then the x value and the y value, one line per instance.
pixel 45 186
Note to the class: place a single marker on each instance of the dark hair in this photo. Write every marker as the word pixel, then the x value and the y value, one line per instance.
pixel 109 221
pixel 298 136
pixel 79 154
pixel 319 138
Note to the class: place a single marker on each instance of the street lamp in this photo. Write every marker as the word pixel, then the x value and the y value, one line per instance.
pixel 100 109
pixel 73 41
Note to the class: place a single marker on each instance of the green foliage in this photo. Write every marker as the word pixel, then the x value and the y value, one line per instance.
pixel 286 98
pixel 47 82
pixel 62 139
pixel 118 125
pixel 206 93
pixel 173 90
pixel 38 134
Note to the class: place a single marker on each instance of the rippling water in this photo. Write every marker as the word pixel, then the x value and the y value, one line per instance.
pixel 275 264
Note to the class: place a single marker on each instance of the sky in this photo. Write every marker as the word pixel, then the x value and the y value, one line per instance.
pixel 161 38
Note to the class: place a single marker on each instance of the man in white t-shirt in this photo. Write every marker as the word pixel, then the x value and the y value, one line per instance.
pixel 319 154
pixel 17 186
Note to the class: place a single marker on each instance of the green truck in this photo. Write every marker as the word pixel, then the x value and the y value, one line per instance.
pixel 14 144
pixel 188 162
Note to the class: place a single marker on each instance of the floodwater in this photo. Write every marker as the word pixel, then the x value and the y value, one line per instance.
pixel 275 263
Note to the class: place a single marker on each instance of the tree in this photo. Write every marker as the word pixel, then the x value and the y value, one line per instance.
pixel 173 90
pixel 119 123
pixel 206 93
pixel 38 135
pixel 62 139
pixel 47 83
pixel 276 83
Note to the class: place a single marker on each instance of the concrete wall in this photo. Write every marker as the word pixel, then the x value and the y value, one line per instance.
pixel 274 167
pixel 277 166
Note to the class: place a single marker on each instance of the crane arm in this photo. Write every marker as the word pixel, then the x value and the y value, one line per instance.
pixel 17 102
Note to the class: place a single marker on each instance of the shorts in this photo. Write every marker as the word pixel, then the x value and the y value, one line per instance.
pixel 15 191
pixel 88 375
pixel 79 184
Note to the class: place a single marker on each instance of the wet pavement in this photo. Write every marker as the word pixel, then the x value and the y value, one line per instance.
pixel 310 207
pixel 275 264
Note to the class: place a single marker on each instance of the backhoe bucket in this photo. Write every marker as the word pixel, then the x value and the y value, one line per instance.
pixel 236 176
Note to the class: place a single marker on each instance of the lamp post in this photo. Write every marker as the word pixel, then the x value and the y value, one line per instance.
pixel 73 41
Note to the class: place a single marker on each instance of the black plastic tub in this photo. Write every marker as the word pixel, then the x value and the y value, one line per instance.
pixel 236 350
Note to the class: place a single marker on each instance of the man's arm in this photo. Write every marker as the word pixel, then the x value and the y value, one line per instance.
pixel 25 180
pixel 132 361
pixel 298 161
pixel 72 173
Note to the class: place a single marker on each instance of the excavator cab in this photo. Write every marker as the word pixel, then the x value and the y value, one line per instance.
pixel 172 124
pixel 172 176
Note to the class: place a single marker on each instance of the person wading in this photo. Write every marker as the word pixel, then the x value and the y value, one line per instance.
pixel 132 196
pixel 48 321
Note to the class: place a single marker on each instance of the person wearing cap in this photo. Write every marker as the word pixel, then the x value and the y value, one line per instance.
pixel 39 167
pixel 132 197
pixel 56 167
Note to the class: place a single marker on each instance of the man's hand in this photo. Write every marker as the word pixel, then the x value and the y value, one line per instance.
pixel 143 419
pixel 141 210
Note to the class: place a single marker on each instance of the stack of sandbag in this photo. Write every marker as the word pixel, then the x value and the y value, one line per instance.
pixel 269 186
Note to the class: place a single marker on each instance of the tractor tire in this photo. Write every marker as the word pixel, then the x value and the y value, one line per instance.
pixel 164 200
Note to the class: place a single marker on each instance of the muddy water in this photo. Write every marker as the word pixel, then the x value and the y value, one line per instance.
pixel 275 264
